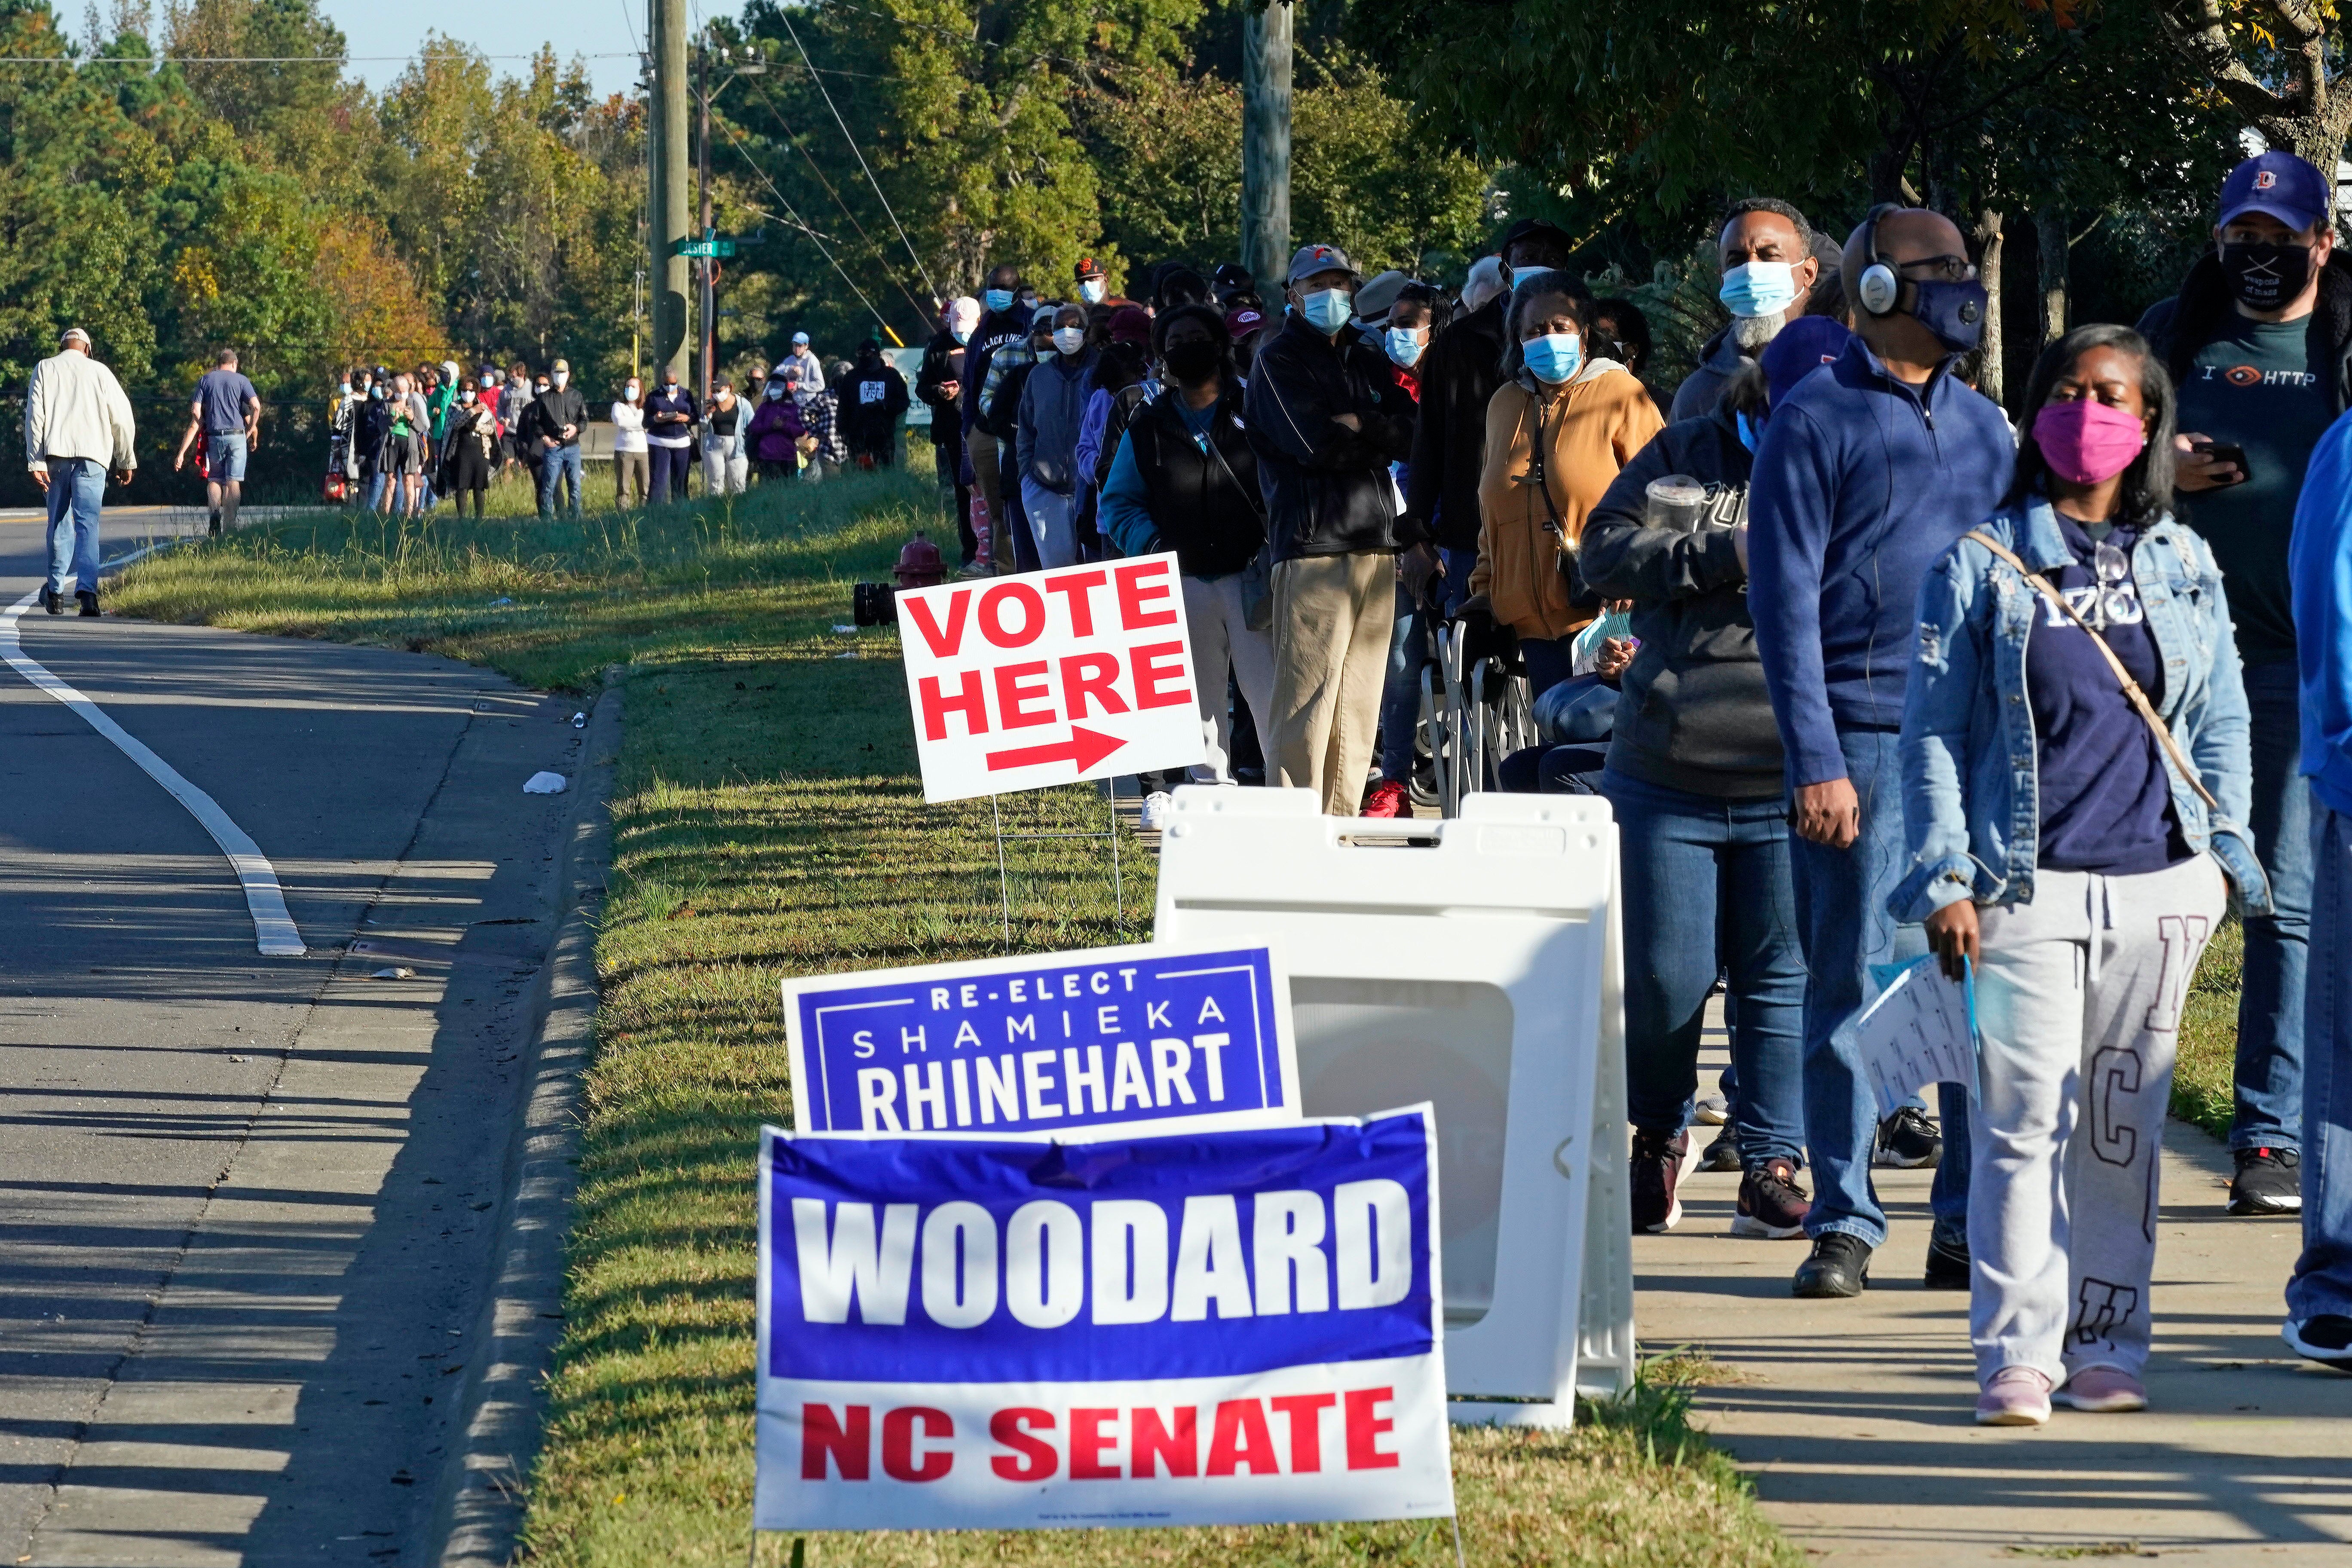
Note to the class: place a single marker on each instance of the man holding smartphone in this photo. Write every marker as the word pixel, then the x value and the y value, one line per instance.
pixel 2260 341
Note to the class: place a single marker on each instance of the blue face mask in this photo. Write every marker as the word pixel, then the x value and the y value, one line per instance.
pixel 1326 310
pixel 1759 287
pixel 1404 346
pixel 998 299
pixel 1554 357
pixel 1749 433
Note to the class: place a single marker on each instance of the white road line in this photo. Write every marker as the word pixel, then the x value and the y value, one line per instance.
pixel 273 927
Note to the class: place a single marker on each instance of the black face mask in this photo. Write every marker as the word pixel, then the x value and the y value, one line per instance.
pixel 2265 276
pixel 1194 362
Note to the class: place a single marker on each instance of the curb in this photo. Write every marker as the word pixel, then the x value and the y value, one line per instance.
pixel 478 1512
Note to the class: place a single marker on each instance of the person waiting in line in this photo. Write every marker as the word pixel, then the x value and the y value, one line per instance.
pixel 726 471
pixel 1868 470
pixel 1046 440
pixel 371 430
pixel 631 465
pixel 669 436
pixel 1559 429
pixel 826 453
pixel 774 433
pixel 1327 418
pixel 873 400
pixel 938 385
pixel 404 448
pixel 562 416
pixel 1417 312
pixel 1765 250
pixel 1622 332
pixel 2259 341
pixel 471 447
pixel 1004 324
pixel 2076 849
pixel 1000 405
pixel 1185 478
pixel 803 359
pixel 1693 778
pixel 1122 382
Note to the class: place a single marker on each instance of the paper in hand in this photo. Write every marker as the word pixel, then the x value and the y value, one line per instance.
pixel 1920 1030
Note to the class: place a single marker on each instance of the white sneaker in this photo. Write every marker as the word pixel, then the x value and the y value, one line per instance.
pixel 1713 1110
pixel 1155 811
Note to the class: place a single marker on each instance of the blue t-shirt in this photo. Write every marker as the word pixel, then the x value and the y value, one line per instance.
pixel 221 394
pixel 2106 801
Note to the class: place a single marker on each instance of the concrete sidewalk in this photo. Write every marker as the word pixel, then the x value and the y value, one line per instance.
pixel 1855 1417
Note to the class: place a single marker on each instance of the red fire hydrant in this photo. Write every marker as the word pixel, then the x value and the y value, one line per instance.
pixel 919 565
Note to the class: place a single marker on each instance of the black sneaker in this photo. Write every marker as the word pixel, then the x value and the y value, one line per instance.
pixel 1839 1265
pixel 2269 1181
pixel 1723 1154
pixel 1657 1170
pixel 52 601
pixel 2325 1339
pixel 215 524
pixel 1947 1262
pixel 1771 1204
pixel 88 602
pixel 1908 1139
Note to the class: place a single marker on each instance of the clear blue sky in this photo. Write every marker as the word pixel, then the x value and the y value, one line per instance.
pixel 589 27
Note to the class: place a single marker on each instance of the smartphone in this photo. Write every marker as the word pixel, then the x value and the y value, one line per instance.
pixel 2226 452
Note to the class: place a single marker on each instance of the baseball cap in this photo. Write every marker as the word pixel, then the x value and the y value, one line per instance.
pixel 1798 349
pixel 1241 324
pixel 801 338
pixel 2278 184
pixel 1314 258
pixel 1374 300
pixel 74 335
pixel 1089 268
pixel 1131 324
pixel 563 364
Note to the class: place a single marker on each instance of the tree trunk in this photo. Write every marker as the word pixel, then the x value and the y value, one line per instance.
pixel 1989 241
pixel 2051 240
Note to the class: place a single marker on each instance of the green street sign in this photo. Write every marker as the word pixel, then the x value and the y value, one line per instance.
pixel 704 248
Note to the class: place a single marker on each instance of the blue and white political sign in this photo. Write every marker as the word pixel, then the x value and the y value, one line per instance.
pixel 1234 1326
pixel 1113 1038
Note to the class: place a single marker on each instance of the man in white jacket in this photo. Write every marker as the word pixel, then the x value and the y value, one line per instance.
pixel 77 425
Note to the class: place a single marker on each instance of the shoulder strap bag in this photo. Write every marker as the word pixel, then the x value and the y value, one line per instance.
pixel 2131 687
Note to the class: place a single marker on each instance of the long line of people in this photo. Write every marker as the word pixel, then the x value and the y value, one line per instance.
pixel 1890 678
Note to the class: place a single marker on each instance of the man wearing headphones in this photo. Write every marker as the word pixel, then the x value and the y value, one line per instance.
pixel 1867 470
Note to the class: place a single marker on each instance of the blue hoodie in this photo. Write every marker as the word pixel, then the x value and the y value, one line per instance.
pixel 2319 569
pixel 1862 482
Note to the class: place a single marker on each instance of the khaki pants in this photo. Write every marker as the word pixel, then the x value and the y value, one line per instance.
pixel 1333 616
pixel 1224 644
pixel 984 449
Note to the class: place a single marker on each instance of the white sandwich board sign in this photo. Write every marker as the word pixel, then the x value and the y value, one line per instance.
pixel 1476 964
pixel 1050 678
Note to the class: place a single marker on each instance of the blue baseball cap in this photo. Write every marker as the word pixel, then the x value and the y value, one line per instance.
pixel 2280 184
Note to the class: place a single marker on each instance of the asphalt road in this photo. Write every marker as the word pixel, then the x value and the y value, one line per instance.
pixel 246 1204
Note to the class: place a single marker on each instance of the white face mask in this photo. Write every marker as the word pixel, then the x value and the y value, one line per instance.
pixel 1093 290
pixel 562 377
pixel 1069 340
pixel 465 394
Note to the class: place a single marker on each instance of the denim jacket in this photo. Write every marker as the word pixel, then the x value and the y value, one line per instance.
pixel 1972 808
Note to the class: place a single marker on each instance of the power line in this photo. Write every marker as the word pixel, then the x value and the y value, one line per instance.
pixel 800 223
pixel 793 142
pixel 827 94
pixel 257 59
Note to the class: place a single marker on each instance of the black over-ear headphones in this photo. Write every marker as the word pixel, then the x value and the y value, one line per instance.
pixel 1878 289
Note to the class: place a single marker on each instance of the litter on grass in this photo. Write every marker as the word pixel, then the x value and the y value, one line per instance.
pixel 543 784
pixel 399 973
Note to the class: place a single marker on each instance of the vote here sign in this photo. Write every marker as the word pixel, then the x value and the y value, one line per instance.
pixel 1224 1327
pixel 1110 1037
pixel 1050 677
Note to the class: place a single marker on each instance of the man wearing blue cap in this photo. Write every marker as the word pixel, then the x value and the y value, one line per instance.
pixel 2260 341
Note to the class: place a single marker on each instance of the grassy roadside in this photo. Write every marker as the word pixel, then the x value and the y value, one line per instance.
pixel 767 822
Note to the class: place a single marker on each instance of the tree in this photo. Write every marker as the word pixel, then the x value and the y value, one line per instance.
pixel 2272 61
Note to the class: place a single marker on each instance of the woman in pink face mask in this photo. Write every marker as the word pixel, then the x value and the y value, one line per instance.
pixel 2076 779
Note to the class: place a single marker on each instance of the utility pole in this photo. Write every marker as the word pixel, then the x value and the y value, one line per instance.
pixel 710 264
pixel 666 200
pixel 1265 144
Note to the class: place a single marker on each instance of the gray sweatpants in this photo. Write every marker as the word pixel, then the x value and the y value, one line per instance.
pixel 2078 1012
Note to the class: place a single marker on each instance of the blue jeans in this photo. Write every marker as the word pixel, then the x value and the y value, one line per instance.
pixel 2321 1282
pixel 1400 698
pixel 1707 887
pixel 1842 922
pixel 77 485
pixel 1549 661
pixel 1454 587
pixel 560 463
pixel 2278 949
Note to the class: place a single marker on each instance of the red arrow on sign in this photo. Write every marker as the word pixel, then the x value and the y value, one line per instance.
pixel 1083 748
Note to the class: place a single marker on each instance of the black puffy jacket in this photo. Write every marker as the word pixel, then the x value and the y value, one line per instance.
pixel 1692 711
pixel 1204 503
pixel 1327 488
pixel 1459 374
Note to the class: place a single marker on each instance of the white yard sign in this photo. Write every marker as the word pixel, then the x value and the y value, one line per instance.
pixel 1048 678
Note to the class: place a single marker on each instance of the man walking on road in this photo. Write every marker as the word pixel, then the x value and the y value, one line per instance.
pixel 78 425
pixel 228 412
pixel 562 413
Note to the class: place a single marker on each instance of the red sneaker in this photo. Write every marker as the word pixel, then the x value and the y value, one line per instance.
pixel 1388 799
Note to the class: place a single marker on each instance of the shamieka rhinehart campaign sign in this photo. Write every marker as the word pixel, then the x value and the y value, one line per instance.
pixel 1234 1326
pixel 1111 1037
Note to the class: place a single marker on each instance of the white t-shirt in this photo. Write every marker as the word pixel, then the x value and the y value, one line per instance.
pixel 628 427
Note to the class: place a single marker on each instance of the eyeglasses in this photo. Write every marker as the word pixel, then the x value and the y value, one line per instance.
pixel 1950 268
